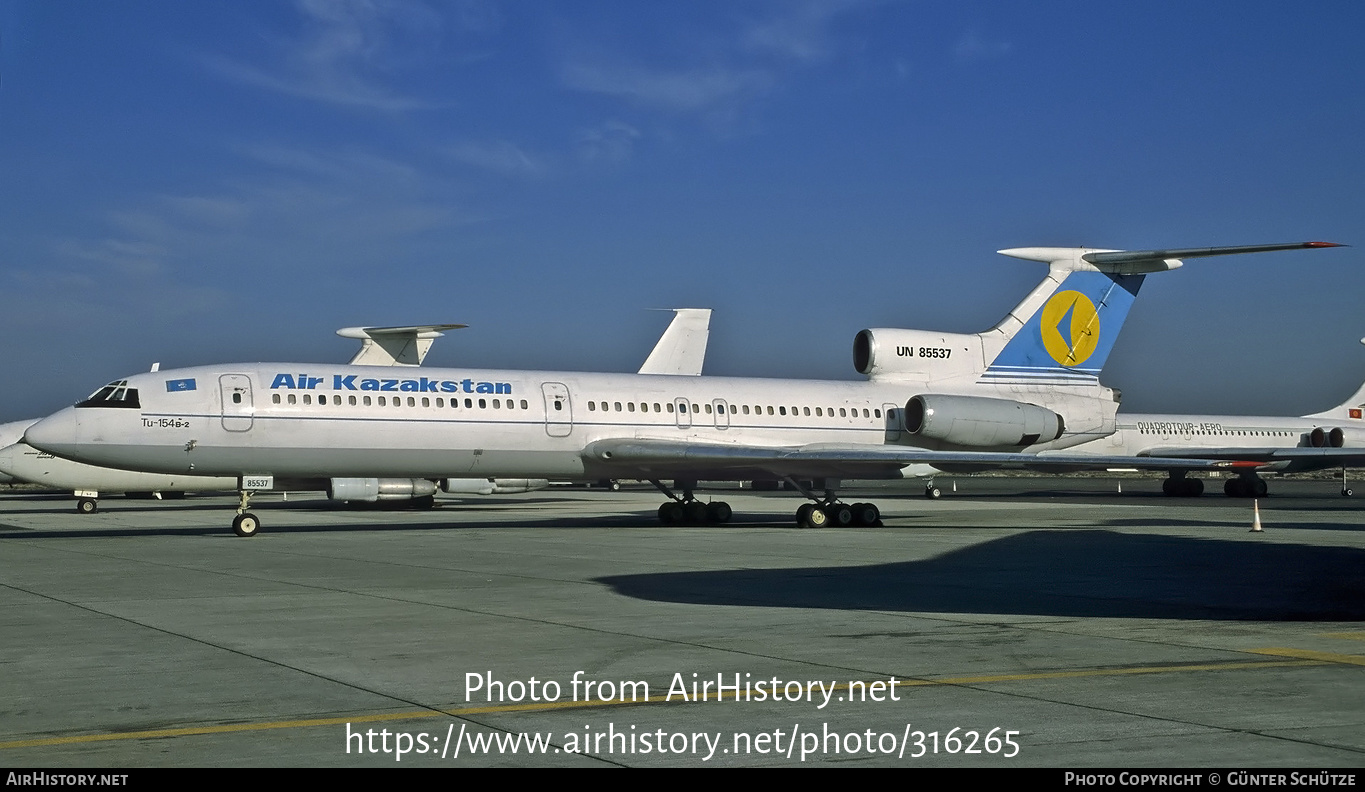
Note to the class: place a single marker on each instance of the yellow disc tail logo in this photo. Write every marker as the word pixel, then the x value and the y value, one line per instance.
pixel 1071 328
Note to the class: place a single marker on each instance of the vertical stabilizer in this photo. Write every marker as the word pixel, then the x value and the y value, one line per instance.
pixel 1074 316
pixel 1353 409
pixel 682 347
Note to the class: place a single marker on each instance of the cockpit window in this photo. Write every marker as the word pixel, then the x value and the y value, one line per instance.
pixel 115 394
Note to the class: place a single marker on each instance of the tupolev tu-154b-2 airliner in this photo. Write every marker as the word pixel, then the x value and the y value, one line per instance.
pixel 955 401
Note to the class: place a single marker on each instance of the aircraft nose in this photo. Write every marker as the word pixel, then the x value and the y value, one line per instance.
pixel 55 434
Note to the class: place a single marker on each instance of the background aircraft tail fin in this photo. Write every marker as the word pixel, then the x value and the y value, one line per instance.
pixel 1351 409
pixel 682 347
pixel 394 346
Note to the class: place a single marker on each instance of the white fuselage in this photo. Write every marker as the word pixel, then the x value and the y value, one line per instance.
pixel 26 463
pixel 1140 434
pixel 333 421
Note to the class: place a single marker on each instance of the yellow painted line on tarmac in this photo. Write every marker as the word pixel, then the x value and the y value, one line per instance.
pixel 1293 658
pixel 1350 636
pixel 1309 654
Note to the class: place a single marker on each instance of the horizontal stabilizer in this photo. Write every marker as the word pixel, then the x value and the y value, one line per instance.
pixel 1131 262
pixel 427 331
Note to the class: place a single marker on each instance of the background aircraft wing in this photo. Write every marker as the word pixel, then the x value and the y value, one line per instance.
pixel 645 458
pixel 1287 459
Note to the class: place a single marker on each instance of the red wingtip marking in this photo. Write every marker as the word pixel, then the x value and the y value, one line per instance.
pixel 1323 244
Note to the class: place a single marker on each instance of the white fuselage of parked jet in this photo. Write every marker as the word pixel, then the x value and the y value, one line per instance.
pixel 1286 444
pixel 336 421
pixel 992 399
pixel 1145 434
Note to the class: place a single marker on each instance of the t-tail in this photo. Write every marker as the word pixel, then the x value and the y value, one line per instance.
pixel 1060 334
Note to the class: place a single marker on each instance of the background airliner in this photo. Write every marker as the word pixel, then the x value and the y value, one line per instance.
pixel 1283 444
pixel 989 399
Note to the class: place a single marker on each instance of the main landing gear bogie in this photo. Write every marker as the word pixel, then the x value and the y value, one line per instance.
pixel 1183 487
pixel 829 511
pixel 694 512
pixel 685 509
pixel 838 515
pixel 1241 487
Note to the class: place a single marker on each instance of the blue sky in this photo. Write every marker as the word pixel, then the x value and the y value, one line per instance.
pixel 215 182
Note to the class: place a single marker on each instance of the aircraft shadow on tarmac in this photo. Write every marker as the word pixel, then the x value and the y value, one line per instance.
pixel 1083 574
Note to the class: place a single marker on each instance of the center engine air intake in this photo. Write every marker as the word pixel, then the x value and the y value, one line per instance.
pixel 980 422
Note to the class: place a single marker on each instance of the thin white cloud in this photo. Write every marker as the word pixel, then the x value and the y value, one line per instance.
pixel 612 142
pixel 498 156
pixel 684 90
pixel 347 54
pixel 719 77
pixel 801 30
pixel 973 47
pixel 124 257
pixel 308 211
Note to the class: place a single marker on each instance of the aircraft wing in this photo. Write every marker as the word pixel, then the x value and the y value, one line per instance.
pixel 1284 459
pixel 645 458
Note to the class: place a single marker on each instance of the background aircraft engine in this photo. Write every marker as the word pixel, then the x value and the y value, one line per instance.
pixel 370 490
pixel 977 421
pixel 1325 438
